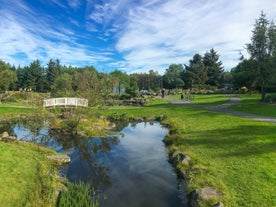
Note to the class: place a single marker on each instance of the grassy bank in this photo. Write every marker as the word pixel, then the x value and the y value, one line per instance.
pixel 26 177
pixel 251 104
pixel 236 155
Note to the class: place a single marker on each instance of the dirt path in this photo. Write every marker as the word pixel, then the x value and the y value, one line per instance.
pixel 224 108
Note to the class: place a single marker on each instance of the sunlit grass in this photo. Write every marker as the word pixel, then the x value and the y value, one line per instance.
pixel 237 154
pixel 24 176
pixel 205 99
pixel 251 104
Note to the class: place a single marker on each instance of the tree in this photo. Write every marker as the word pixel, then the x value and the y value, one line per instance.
pixel 214 68
pixel 121 79
pixel 63 86
pixel 35 76
pixel 242 74
pixel 53 70
pixel 173 77
pixel 196 73
pixel 7 76
pixel 261 49
pixel 150 81
pixel 132 89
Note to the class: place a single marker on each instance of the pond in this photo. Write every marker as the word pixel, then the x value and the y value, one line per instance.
pixel 130 169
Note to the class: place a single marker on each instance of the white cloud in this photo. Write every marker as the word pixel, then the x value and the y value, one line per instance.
pixel 20 38
pixel 165 33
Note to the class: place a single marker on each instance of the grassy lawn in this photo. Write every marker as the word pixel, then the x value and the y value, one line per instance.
pixel 206 99
pixel 24 176
pixel 13 109
pixel 237 155
pixel 251 104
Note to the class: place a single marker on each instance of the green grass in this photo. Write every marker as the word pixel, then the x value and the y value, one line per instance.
pixel 78 194
pixel 206 99
pixel 251 104
pixel 24 176
pixel 210 99
pixel 238 154
pixel 11 109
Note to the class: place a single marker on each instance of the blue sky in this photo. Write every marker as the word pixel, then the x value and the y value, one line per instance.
pixel 129 35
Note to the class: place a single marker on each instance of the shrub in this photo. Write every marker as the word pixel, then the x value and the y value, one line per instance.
pixel 270 98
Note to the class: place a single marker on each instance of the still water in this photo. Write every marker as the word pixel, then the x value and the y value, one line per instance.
pixel 129 170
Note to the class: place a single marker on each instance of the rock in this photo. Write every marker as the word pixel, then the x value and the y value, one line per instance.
pixel 64 159
pixel 218 204
pixel 5 135
pixel 11 137
pixel 138 119
pixel 179 157
pixel 149 119
pixel 203 194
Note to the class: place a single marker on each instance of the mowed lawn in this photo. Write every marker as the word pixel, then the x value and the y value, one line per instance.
pixel 251 104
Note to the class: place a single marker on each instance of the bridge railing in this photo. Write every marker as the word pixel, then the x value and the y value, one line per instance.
pixel 65 102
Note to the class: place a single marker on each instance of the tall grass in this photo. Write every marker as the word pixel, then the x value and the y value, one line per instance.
pixel 77 194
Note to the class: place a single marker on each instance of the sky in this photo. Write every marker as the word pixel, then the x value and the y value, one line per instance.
pixel 133 36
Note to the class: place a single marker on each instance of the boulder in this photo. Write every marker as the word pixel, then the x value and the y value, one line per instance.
pixel 64 159
pixel 218 204
pixel 5 135
pixel 180 158
pixel 204 194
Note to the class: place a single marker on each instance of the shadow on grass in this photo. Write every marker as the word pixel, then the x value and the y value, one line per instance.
pixel 247 140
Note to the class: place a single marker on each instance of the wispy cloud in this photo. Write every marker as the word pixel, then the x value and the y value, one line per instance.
pixel 41 39
pixel 160 34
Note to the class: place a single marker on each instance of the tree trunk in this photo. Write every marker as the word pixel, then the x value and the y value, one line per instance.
pixel 263 93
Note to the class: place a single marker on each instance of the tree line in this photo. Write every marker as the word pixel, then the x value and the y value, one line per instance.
pixel 201 73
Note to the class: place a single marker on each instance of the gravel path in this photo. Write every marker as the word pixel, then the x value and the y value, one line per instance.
pixel 224 108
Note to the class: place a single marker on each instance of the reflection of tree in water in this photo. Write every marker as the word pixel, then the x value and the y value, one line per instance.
pixel 87 150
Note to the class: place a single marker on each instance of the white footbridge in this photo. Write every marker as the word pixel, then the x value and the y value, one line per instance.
pixel 66 102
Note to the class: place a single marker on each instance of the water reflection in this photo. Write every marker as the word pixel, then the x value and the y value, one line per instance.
pixel 130 169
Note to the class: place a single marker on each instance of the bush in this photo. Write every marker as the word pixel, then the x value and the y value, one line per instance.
pixel 244 89
pixel 270 98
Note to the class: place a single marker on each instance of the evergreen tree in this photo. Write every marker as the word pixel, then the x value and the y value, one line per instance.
pixel 196 73
pixel 262 49
pixel 53 70
pixel 214 68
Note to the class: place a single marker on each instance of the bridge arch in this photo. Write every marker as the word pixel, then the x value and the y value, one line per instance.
pixel 65 102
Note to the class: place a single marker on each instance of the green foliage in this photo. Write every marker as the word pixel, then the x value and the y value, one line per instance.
pixel 7 76
pixel 173 77
pixel 270 98
pixel 261 49
pixel 78 194
pixel 243 74
pixel 196 73
pixel 214 68
pixel 149 81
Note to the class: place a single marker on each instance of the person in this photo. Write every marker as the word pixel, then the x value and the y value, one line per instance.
pixel 163 93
